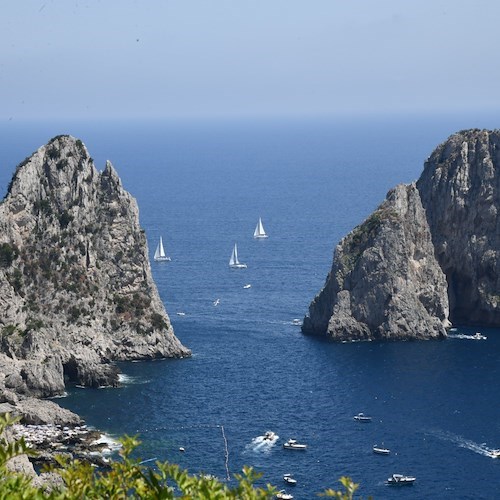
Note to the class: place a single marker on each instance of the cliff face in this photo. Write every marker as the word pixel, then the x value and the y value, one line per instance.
pixel 76 290
pixel 385 281
pixel 460 190
pixel 428 245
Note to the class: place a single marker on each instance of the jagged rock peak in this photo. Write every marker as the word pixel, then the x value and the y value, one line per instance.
pixel 385 282
pixel 76 290
pixel 453 228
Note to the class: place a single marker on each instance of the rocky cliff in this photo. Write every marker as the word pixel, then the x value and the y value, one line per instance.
pixel 430 252
pixel 460 190
pixel 76 290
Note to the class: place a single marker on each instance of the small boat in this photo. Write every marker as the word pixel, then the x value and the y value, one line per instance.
pixel 234 263
pixel 400 480
pixel 495 453
pixel 160 255
pixel 361 417
pixel 283 495
pixel 292 444
pixel 296 322
pixel 216 302
pixel 289 479
pixel 380 450
pixel 479 336
pixel 246 287
pixel 259 232
pixel 180 313
pixel 269 436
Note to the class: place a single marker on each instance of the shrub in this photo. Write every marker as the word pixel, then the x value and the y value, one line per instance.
pixel 8 254
pixel 128 478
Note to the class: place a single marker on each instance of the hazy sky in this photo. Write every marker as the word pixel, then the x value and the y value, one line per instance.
pixel 163 58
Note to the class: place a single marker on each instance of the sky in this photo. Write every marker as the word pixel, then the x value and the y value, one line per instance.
pixel 107 59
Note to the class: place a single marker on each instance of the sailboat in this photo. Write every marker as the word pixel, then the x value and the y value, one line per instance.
pixel 160 253
pixel 259 230
pixel 234 263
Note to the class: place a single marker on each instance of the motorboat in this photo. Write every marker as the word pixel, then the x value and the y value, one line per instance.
pixel 400 480
pixel 380 450
pixel 292 444
pixel 495 453
pixel 283 495
pixel 247 286
pixel 289 479
pixel 296 322
pixel 361 417
pixel 479 336
pixel 269 436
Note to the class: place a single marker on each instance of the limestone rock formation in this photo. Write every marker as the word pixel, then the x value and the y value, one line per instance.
pixel 385 282
pixel 76 290
pixel 388 276
pixel 460 190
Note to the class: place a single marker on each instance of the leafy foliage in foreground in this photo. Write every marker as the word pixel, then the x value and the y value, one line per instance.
pixel 127 478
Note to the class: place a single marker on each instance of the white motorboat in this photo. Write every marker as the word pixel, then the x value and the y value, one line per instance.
pixel 283 495
pixel 292 444
pixel 160 255
pixel 380 450
pixel 400 480
pixel 296 322
pixel 259 230
pixel 495 453
pixel 269 436
pixel 234 263
pixel 361 417
pixel 247 286
pixel 479 336
pixel 289 479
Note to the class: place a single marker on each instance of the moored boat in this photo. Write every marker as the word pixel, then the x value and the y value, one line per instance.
pixel 283 495
pixel 401 480
pixel 380 450
pixel 361 417
pixel 289 479
pixel 292 444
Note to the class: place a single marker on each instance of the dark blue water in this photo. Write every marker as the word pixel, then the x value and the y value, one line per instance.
pixel 202 186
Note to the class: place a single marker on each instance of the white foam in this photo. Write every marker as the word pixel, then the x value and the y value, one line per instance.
pixel 261 444
pixel 479 448
pixel 112 444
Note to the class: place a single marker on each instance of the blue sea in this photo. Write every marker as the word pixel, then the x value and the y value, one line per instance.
pixel 202 186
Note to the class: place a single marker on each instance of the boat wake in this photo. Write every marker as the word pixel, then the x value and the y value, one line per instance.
pixel 129 380
pixel 263 444
pixel 463 336
pixel 480 449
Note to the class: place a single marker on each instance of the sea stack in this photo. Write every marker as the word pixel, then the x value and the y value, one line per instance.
pixel 429 254
pixel 76 290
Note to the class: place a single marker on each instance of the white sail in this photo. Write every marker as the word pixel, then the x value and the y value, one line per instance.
pixel 259 230
pixel 160 252
pixel 233 261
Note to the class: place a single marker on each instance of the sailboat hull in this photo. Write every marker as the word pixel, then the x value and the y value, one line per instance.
pixel 162 259
pixel 237 266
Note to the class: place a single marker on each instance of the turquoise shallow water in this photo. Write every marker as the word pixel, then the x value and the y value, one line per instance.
pixel 202 187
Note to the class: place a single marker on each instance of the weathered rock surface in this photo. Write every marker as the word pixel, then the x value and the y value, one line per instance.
pixel 385 282
pixel 460 190
pixel 76 290
pixel 387 279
